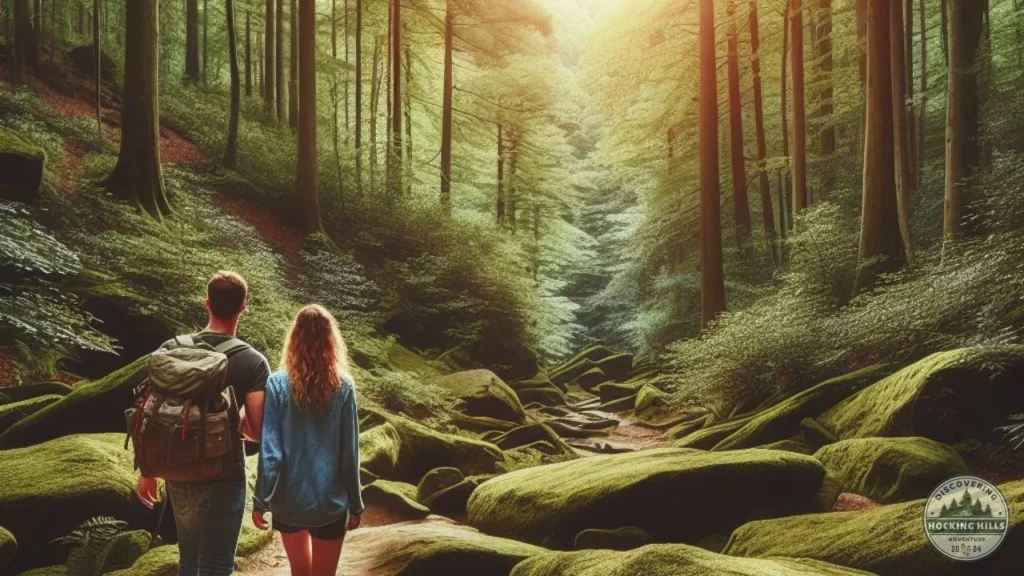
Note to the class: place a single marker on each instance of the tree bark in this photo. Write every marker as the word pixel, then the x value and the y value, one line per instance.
pixel 248 56
pixel 279 47
pixel 97 54
pixel 206 43
pixel 395 157
pixel 309 199
pixel 293 68
pixel 786 190
pixel 881 245
pixel 908 71
pixel 375 79
pixel 192 40
pixel 231 150
pixel 24 39
pixel 827 135
pixel 767 214
pixel 799 109
pixel 446 112
pixel 359 97
pixel 900 126
pixel 269 51
pixel 500 196
pixel 741 203
pixel 962 117
pixel 407 106
pixel 137 176
pixel 712 279
pixel 512 187
pixel 923 109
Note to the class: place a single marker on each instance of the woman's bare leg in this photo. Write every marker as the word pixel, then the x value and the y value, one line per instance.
pixel 300 557
pixel 326 554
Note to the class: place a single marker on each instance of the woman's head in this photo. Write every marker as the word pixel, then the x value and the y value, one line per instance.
pixel 315 356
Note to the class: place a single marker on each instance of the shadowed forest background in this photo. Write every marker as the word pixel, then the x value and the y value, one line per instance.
pixel 689 211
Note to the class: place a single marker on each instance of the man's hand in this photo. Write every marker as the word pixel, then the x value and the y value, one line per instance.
pixel 259 521
pixel 146 490
pixel 353 521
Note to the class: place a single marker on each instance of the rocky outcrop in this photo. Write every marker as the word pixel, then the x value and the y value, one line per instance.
pixel 21 168
pixel 483 394
pixel 8 548
pixel 622 538
pixel 11 413
pixel 398 497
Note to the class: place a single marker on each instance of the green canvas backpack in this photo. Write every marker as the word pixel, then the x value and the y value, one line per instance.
pixel 184 422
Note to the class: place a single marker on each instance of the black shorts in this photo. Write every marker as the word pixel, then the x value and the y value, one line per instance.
pixel 332 531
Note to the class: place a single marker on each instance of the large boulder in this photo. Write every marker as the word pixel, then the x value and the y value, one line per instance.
pixel 91 407
pixel 617 367
pixel 451 501
pixel 948 396
pixel 594 354
pixel 891 469
pixel 437 480
pixel 21 168
pixel 543 395
pixel 160 561
pixel 526 435
pixel 671 560
pixel 622 538
pixel 398 497
pixel 569 372
pixel 483 394
pixel 11 413
pixel 430 548
pixel 10 394
pixel 887 540
pixel 709 437
pixel 48 490
pixel 591 379
pixel 782 420
pixel 401 449
pixel 8 548
pixel 609 491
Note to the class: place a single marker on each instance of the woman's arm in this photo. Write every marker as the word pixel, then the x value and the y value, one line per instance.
pixel 270 451
pixel 350 451
pixel 252 419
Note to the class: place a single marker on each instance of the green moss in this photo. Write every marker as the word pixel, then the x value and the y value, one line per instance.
pixel 67 481
pixel 798 445
pixel 612 391
pixel 814 434
pixel 708 438
pixel 8 548
pixel 452 500
pixel 161 561
pixel 550 504
pixel 783 419
pixel 398 497
pixel 650 402
pixel 617 367
pixel 401 359
pixel 530 433
pixel 622 538
pixel 92 407
pixel 123 550
pixel 947 396
pixel 484 394
pixel 593 354
pixel 885 540
pixel 10 394
pixel 12 413
pixel 431 548
pixel 568 372
pixel 436 480
pixel 591 379
pixel 670 560
pixel 59 570
pixel 546 395
pixel 890 469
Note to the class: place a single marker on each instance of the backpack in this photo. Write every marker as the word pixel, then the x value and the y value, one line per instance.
pixel 184 422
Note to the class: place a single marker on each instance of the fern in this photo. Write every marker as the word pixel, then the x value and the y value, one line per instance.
pixel 99 529
pixel 1013 433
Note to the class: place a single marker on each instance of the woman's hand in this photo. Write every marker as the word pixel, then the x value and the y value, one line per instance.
pixel 147 491
pixel 353 521
pixel 259 521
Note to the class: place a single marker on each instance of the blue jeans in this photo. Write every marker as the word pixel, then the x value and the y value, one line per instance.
pixel 208 517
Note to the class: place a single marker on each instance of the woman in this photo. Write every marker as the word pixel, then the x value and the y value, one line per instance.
pixel 309 458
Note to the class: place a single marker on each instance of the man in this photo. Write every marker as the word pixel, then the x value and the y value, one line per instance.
pixel 208 514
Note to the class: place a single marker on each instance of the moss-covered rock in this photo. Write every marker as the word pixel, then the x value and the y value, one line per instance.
pixel 593 354
pixel 650 402
pixel 566 374
pixel 617 367
pixel 550 504
pixel 670 560
pixel 529 434
pixel 11 394
pixel 538 380
pixel 8 548
pixel 622 538
pixel 613 391
pixel 621 405
pixel 591 379
pixel 452 500
pixel 21 168
pixel 92 407
pixel 891 469
pixel 483 394
pixel 122 551
pixel 430 548
pixel 887 540
pixel 948 396
pixel 481 423
pixel 436 480
pixel 48 490
pixel 546 396
pixel 58 570
pixel 814 434
pixel 401 449
pixel 11 413
pixel 797 444
pixel 782 420
pixel 398 497
pixel 709 437
pixel 689 425
pixel 160 561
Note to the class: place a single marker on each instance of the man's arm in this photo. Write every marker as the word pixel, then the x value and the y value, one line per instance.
pixel 252 420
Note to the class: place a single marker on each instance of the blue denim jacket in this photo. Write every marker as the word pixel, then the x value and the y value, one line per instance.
pixel 309 458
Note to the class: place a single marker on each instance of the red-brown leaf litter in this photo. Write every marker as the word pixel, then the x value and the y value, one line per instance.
pixel 282 238
pixel 848 502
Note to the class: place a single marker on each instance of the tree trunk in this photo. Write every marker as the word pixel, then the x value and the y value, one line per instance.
pixel 446 113
pixel 712 279
pixel 395 157
pixel 206 43
pixel 309 200
pixel 741 204
pixel 901 129
pixel 407 104
pixel 374 101
pixel 827 135
pixel 293 69
pixel 231 150
pixel 944 28
pixel 24 39
pixel 259 63
pixel 862 62
pixel 97 54
pixel 279 48
pixel 962 118
pixel 500 197
pixel 359 97
pixel 269 51
pixel 908 72
pixel 137 176
pixel 53 31
pixel 192 40
pixel 881 245
pixel 799 109
pixel 762 149
pixel 785 217
pixel 248 57
pixel 923 109
pixel 512 189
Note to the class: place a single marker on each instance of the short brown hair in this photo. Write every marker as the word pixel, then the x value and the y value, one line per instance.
pixel 226 292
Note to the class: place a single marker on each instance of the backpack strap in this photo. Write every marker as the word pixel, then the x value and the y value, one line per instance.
pixel 231 346
pixel 185 340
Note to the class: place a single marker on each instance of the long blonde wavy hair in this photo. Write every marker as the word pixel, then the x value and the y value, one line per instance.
pixel 315 356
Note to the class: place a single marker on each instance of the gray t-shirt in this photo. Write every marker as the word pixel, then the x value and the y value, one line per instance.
pixel 248 371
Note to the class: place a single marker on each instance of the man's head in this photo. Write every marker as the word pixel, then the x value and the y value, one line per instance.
pixel 226 296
